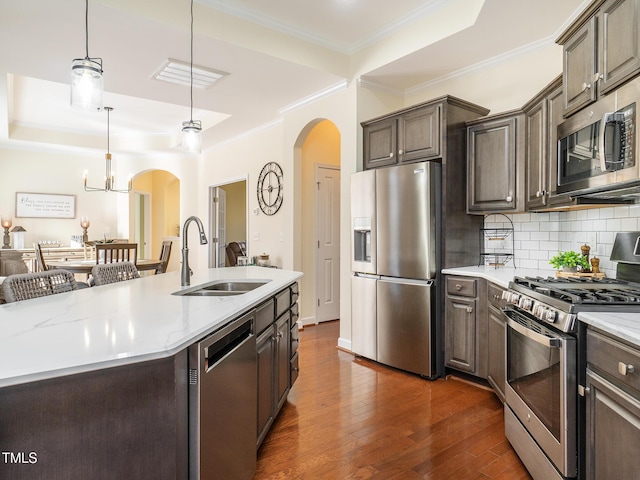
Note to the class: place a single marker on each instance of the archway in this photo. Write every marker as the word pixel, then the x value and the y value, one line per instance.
pixel 154 213
pixel 317 158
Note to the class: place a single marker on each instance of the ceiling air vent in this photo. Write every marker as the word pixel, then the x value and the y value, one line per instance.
pixel 175 71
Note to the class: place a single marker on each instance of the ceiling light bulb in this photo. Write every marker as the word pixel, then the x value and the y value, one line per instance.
pixel 191 141
pixel 86 84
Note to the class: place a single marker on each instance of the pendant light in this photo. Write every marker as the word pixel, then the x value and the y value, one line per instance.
pixel 191 140
pixel 86 76
pixel 109 178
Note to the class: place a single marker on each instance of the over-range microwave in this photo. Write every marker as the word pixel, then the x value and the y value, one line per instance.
pixel 598 146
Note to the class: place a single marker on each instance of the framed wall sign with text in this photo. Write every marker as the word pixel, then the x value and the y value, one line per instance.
pixel 45 205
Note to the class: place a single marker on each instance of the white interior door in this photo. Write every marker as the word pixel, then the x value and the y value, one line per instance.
pixel 217 222
pixel 142 224
pixel 328 242
pixel 221 223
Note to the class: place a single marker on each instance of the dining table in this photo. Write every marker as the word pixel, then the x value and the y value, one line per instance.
pixel 85 266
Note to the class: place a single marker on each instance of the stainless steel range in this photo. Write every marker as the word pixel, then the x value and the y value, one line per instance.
pixel 544 417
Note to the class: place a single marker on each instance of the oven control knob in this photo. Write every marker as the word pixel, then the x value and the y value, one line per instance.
pixel 550 316
pixel 525 303
pixel 538 311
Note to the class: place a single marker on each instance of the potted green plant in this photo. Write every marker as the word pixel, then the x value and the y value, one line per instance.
pixel 570 261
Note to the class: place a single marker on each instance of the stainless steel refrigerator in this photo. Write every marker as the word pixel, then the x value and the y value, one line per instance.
pixel 393 261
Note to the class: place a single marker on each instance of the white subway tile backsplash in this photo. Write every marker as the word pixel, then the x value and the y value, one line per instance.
pixel 621 212
pixel 628 224
pixel 531 227
pixel 593 214
pixel 613 225
pixel 539 236
pixel 550 246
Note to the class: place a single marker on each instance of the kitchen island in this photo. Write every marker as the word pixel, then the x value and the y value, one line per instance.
pixel 93 383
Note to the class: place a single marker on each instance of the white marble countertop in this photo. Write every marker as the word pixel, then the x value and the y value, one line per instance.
pixel 500 276
pixel 622 325
pixel 119 324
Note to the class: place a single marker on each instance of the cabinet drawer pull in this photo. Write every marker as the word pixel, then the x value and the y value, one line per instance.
pixel 458 287
pixel 624 369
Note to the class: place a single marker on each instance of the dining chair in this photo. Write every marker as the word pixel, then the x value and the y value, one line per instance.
pixel 165 253
pixel 105 273
pixel 24 286
pixel 42 265
pixel 116 252
pixel 233 252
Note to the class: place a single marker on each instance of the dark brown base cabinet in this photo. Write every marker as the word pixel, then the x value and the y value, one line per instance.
pixel 497 340
pixel 612 409
pixel 277 346
pixel 465 329
pixel 476 330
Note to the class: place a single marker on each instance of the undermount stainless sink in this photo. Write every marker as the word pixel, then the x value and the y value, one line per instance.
pixel 221 288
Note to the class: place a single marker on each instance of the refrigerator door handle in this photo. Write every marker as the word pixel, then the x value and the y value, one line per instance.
pixel 407 281
pixel 366 275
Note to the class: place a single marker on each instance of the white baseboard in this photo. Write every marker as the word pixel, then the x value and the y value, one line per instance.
pixel 344 344
pixel 307 321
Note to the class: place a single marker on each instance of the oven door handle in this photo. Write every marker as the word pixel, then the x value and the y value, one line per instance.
pixel 550 342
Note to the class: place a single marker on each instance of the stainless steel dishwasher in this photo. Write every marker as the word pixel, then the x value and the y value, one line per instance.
pixel 222 403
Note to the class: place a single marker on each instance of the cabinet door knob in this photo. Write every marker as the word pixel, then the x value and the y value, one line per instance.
pixel 624 369
pixel 458 287
pixel 597 76
pixel 391 155
pixel 469 309
pixel 400 152
pixel 538 194
pixel 586 86
pixel 509 198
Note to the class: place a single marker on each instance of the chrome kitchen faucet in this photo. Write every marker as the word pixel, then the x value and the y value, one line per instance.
pixel 185 275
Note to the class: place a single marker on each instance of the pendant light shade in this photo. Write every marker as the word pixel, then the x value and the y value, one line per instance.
pixel 86 76
pixel 191 129
pixel 191 141
pixel 86 84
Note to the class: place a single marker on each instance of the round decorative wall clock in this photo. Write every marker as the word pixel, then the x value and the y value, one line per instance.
pixel 270 188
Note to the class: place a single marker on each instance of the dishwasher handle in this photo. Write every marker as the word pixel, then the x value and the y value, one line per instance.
pixel 220 349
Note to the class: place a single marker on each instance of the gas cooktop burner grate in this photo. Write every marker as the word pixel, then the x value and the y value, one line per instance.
pixel 585 291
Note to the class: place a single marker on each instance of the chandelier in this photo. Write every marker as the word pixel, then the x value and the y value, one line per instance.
pixel 109 178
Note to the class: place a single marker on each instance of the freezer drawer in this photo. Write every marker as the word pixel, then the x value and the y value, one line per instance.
pixel 406 325
pixel 363 315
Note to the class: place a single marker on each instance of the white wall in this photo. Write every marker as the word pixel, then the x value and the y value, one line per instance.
pixel 47 170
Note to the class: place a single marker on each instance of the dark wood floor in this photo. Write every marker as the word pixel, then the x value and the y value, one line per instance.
pixel 349 418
